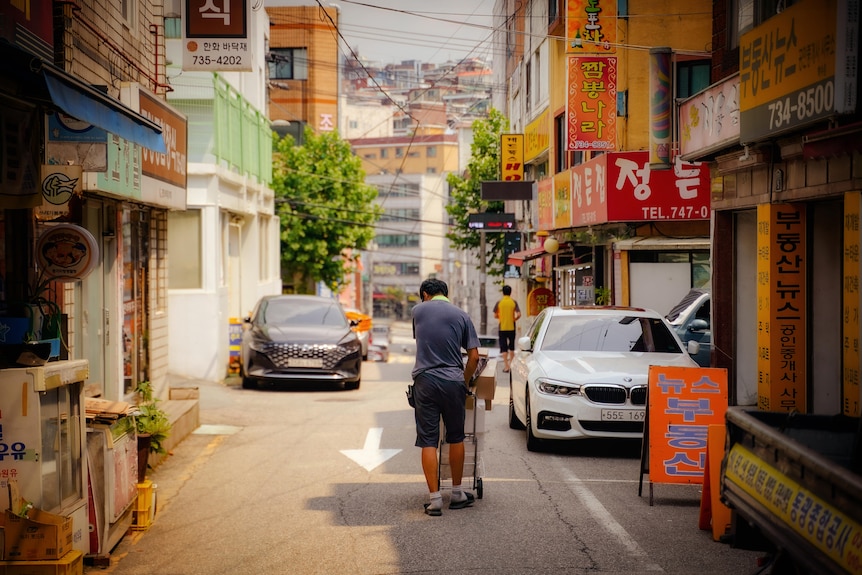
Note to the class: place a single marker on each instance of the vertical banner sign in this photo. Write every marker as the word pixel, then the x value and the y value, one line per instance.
pixel 852 271
pixel 781 295
pixel 683 403
pixel 512 157
pixel 591 26
pixel 562 200
pixel 591 113
pixel 589 192
pixel 793 74
pixel 216 35
pixel 537 136
pixel 545 197
pixel 659 107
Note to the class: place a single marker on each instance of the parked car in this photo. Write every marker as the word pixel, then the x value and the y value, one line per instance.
pixel 300 338
pixel 378 349
pixel 583 372
pixel 361 324
pixel 691 320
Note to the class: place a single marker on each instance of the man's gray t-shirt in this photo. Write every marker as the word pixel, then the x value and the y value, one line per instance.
pixel 441 329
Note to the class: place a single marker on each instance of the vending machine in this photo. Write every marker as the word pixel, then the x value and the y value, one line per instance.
pixel 43 440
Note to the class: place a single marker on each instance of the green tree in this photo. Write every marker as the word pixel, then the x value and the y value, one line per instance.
pixel 465 192
pixel 327 211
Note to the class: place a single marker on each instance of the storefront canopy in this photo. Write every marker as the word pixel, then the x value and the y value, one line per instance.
pixel 518 258
pixel 39 80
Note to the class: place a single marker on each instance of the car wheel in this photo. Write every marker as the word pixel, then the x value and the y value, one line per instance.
pixel 533 443
pixel 514 422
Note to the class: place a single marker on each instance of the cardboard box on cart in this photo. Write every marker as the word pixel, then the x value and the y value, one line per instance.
pixel 486 383
pixel 40 536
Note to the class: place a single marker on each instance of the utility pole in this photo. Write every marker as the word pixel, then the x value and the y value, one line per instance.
pixel 483 302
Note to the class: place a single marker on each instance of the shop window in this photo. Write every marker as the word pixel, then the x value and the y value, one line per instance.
pixel 288 64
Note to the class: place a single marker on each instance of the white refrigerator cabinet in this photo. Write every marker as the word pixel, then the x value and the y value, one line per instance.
pixel 43 439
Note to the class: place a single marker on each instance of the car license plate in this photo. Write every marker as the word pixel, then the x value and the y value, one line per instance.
pixel 304 362
pixel 623 415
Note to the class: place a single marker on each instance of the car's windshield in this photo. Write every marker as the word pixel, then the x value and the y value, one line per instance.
pixel 291 312
pixel 608 333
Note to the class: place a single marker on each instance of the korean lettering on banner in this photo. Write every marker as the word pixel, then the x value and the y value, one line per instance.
pixel 638 193
pixel 512 157
pixel 820 522
pixel 852 271
pixel 781 305
pixel 683 403
pixel 589 192
pixel 591 26
pixel 545 199
pixel 216 36
pixel 591 105
pixel 562 200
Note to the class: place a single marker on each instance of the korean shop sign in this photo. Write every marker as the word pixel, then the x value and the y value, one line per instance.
pixel 537 136
pixel 591 113
pixel 512 157
pixel 709 121
pixel 621 187
pixel 793 73
pixel 216 35
pixel 591 26
pixel 545 199
pixel 782 345
pixel 683 403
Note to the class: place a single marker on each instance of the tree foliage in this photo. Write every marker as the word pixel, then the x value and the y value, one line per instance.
pixel 465 192
pixel 327 211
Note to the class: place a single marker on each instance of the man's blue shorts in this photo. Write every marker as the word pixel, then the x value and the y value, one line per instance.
pixel 437 397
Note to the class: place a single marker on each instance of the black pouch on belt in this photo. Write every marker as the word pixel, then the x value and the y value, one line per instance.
pixel 410 399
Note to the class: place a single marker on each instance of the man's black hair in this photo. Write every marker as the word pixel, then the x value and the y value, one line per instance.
pixel 434 287
pixel 507 290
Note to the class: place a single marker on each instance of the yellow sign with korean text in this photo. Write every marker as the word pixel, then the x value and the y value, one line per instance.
pixel 512 157
pixel 683 403
pixel 537 136
pixel 781 305
pixel 545 197
pixel 563 200
pixel 793 73
pixel 819 522
pixel 591 26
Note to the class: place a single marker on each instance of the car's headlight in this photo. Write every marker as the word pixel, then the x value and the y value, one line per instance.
pixel 554 387
pixel 351 345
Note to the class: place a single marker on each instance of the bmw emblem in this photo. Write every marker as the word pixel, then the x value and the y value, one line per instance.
pixel 627 379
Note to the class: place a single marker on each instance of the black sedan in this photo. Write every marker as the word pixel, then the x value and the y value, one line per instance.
pixel 300 338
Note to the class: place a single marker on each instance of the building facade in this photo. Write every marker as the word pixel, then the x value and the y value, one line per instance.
pixel 225 246
pixel 626 226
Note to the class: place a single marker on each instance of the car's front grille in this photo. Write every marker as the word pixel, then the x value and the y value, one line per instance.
pixel 614 394
pixel 330 355
pixel 638 395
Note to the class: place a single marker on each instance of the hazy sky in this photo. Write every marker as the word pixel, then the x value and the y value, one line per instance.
pixel 389 31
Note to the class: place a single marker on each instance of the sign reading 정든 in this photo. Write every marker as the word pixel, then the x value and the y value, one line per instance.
pixel 216 35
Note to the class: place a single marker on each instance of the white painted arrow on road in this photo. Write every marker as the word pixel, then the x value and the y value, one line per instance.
pixel 370 456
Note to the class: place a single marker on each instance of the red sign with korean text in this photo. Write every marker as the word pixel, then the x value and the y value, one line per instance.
pixel 683 403
pixel 637 193
pixel 590 192
pixel 545 197
pixel 539 299
pixel 591 105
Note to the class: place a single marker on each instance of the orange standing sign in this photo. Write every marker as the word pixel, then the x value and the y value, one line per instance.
pixel 683 403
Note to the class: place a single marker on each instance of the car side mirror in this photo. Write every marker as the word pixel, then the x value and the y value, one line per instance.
pixel 698 325
pixel 693 347
pixel 524 343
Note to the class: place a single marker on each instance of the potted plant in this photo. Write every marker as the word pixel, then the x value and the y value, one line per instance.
pixel 153 427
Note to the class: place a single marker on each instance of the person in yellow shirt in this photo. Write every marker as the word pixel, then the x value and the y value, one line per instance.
pixel 507 313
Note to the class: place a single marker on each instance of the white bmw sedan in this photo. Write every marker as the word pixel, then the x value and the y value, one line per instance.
pixel 583 372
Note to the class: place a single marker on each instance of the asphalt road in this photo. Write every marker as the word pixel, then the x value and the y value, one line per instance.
pixel 311 481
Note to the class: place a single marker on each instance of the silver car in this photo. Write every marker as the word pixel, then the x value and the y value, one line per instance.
pixel 583 372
